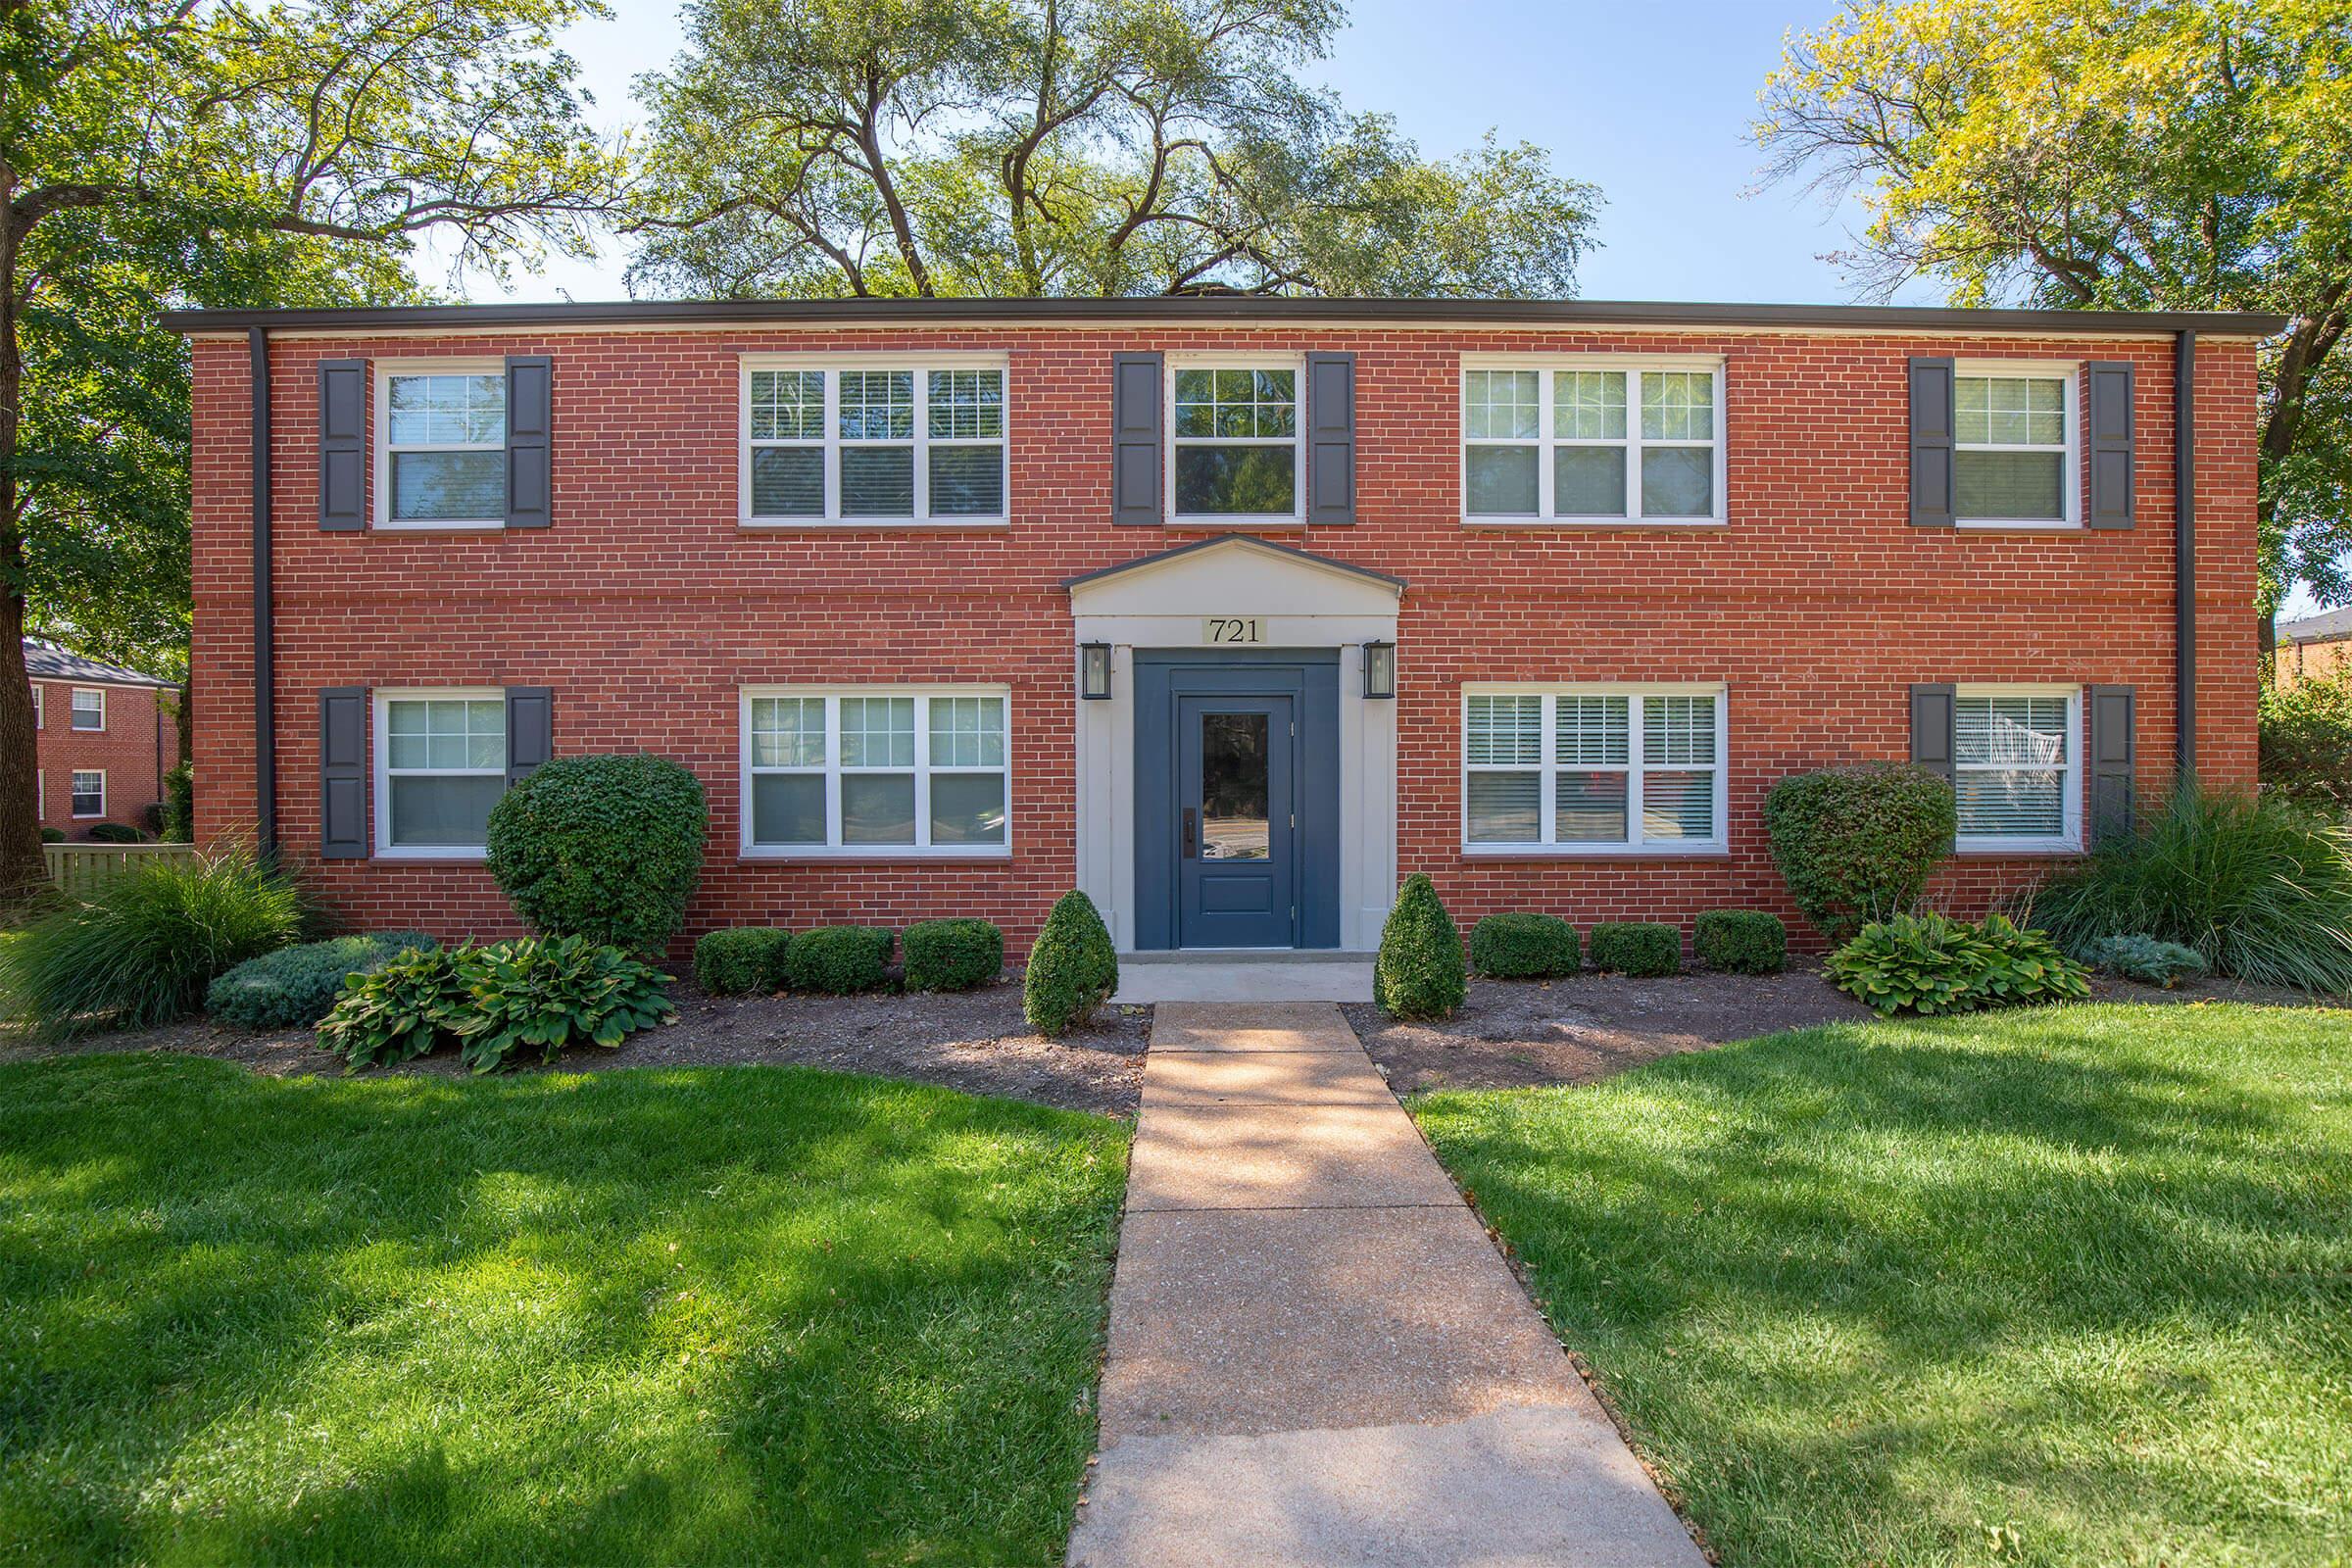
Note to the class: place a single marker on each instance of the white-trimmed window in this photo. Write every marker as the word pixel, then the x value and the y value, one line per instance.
pixel 89 792
pixel 1600 438
pixel 2013 447
pixel 1233 437
pixel 887 771
pixel 1593 770
pixel 874 442
pixel 40 705
pixel 441 444
pixel 89 707
pixel 2016 767
pixel 440 765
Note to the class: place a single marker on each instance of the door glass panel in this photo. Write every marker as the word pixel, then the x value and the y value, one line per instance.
pixel 1233 787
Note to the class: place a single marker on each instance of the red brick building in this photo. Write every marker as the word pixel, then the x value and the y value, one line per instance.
pixel 1230 611
pixel 108 735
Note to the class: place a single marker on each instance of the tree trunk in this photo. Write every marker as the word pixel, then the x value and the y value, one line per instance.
pixel 22 870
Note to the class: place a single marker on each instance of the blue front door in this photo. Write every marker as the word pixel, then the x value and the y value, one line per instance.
pixel 1236 863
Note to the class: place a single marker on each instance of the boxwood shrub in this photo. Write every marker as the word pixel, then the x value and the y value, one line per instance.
pixel 1640 948
pixel 1524 946
pixel 1741 941
pixel 607 848
pixel 740 962
pixel 1419 973
pixel 296 986
pixel 839 960
pixel 1857 843
pixel 953 954
pixel 116 833
pixel 1072 969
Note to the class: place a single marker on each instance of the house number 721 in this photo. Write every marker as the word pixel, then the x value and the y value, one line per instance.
pixel 1233 629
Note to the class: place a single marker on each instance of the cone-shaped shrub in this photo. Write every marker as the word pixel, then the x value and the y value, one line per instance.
pixel 1419 973
pixel 1072 968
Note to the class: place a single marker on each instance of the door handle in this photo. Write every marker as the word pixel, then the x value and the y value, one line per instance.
pixel 1192 833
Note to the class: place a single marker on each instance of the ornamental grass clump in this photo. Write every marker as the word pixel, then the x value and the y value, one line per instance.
pixel 608 848
pixel 1857 843
pixel 1524 946
pixel 1931 963
pixel 1073 967
pixel 2258 888
pixel 141 950
pixel 1419 973
pixel 296 986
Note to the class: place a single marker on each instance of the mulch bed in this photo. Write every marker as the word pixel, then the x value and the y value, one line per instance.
pixel 974 1041
pixel 1517 1034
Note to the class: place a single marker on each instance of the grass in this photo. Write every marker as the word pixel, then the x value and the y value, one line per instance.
pixel 2060 1286
pixel 719 1314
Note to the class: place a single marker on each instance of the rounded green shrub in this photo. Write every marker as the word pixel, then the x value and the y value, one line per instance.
pixel 838 959
pixel 1524 946
pixel 1741 941
pixel 53 835
pixel 742 962
pixel 1419 973
pixel 607 848
pixel 296 986
pixel 1073 967
pixel 116 833
pixel 953 954
pixel 1644 948
pixel 1858 844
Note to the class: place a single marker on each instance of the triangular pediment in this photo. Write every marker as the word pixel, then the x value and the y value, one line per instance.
pixel 1235 574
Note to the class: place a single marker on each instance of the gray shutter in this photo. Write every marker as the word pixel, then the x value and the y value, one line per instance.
pixel 1931 443
pixel 530 401
pixel 343 773
pixel 1331 438
pixel 2114 754
pixel 530 730
pixel 1136 399
pixel 342 445
pixel 2110 425
pixel 1931 726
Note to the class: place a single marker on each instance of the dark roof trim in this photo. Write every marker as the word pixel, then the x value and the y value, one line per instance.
pixel 1251 539
pixel 1226 308
pixel 62 666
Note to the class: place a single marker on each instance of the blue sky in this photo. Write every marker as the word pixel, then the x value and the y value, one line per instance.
pixel 1648 101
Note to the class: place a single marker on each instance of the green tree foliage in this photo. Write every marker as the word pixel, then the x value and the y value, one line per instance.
pixel 1063 147
pixel 207 152
pixel 2307 743
pixel 2123 154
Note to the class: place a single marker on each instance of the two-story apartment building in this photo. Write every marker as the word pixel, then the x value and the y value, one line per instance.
pixel 107 736
pixel 1227 611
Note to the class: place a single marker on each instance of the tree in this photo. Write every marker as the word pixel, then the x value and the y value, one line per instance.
pixel 2113 154
pixel 1063 147
pixel 165 149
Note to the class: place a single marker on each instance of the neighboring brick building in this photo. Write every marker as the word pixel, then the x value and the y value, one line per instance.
pixel 853 563
pixel 2313 648
pixel 108 736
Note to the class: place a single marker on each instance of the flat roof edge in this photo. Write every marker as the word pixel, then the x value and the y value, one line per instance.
pixel 1225 308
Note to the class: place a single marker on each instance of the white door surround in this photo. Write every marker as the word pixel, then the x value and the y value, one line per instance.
pixel 1299 600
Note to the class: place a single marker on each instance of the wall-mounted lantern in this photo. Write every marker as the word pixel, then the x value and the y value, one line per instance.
pixel 1094 671
pixel 1380 669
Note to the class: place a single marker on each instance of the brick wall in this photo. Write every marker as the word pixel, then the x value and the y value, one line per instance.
pixel 125 749
pixel 646 607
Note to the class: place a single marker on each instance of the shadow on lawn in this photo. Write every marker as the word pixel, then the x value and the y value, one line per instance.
pixel 664 1314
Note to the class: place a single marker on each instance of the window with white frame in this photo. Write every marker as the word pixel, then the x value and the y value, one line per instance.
pixel 1233 433
pixel 40 705
pixel 1599 440
pixel 2013 445
pixel 2014 766
pixel 879 771
pixel 1604 769
pixel 874 443
pixel 89 792
pixel 89 707
pixel 440 765
pixel 443 445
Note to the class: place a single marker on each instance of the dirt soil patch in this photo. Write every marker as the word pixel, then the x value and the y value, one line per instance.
pixel 974 1041
pixel 1518 1034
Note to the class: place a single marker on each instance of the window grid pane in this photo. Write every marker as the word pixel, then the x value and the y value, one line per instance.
pixel 1678 730
pixel 2012 769
pixel 877 732
pixel 1588 405
pixel 1593 731
pixel 788 404
pixel 447 410
pixel 446 735
pixel 1506 730
pixel 1678 405
pixel 967 405
pixel 968 732
pixel 1236 405
pixel 1504 405
pixel 1593 775
pixel 787 732
pixel 877 405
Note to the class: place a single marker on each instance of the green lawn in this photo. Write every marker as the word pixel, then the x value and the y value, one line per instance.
pixel 723 1314
pixel 2055 1287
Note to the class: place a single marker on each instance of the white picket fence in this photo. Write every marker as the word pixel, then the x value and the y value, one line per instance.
pixel 84 869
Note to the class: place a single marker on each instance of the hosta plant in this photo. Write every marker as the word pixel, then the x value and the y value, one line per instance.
pixel 554 991
pixel 402 1010
pixel 1930 963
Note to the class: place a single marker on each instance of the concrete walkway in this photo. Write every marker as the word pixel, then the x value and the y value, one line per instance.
pixel 1316 1355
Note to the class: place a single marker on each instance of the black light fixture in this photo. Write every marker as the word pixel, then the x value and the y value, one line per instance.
pixel 1094 671
pixel 1380 669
